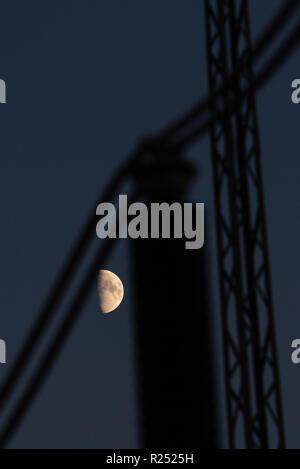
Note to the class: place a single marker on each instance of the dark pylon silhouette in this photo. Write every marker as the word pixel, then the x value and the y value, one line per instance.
pixel 173 322
pixel 252 377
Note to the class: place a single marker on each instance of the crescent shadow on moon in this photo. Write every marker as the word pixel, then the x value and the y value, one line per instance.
pixel 111 291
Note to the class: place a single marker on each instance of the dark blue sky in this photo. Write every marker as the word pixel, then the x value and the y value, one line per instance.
pixel 85 80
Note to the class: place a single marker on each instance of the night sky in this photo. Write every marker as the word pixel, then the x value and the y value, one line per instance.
pixel 85 80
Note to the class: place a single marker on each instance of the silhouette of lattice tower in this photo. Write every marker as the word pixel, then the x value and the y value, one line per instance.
pixel 252 379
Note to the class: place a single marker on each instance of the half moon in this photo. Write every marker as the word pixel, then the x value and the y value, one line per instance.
pixel 111 291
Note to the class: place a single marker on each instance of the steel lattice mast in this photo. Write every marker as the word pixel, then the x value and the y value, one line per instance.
pixel 252 378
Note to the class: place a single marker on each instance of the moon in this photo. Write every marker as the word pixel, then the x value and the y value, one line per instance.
pixel 111 291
